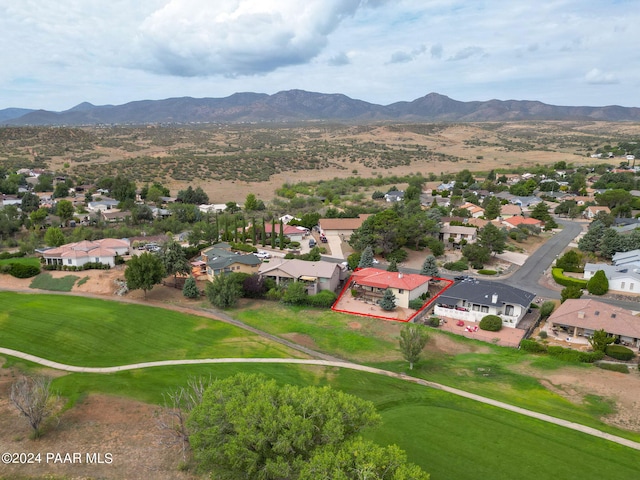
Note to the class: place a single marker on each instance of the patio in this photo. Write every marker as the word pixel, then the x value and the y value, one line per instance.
pixel 507 337
pixel 347 303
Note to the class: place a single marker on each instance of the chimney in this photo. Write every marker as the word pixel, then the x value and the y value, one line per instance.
pixel 580 314
pixel 399 274
pixel 494 298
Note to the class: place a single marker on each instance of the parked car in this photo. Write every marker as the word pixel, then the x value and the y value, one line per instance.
pixel 312 242
pixel 262 254
pixel 323 239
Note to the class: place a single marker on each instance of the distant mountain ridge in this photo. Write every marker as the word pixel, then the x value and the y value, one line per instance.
pixel 300 105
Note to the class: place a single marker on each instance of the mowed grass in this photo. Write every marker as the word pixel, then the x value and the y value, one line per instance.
pixel 451 437
pixel 330 331
pixel 22 260
pixel 98 333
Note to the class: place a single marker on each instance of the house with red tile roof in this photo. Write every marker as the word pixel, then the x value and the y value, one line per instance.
pixel 513 222
pixel 77 254
pixel 372 283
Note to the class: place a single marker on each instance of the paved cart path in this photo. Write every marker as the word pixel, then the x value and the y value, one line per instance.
pixel 328 363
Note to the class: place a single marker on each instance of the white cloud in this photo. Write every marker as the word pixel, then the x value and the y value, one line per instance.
pixel 467 52
pixel 597 77
pixel 239 37
pixel 339 60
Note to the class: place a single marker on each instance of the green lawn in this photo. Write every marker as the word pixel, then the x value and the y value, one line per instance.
pixel 98 333
pixel 448 436
pixel 45 281
pixel 23 260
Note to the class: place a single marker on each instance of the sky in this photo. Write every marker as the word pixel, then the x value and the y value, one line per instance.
pixel 57 54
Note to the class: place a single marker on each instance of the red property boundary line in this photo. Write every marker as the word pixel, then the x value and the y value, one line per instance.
pixel 422 309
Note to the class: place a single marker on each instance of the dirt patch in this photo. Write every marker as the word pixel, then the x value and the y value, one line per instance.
pixel 301 339
pixel 575 383
pixel 124 429
pixel 355 325
pixel 444 344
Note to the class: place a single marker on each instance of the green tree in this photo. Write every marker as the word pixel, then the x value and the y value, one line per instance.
pixel 436 246
pixel 250 203
pixel 38 216
pixel 546 309
pixel 570 261
pixel 366 259
pixel 174 259
pixel 388 300
pixel 492 238
pixel 572 291
pixel 476 254
pixel 123 188
pixel 598 284
pixel 54 237
pixel 393 266
pixel 224 291
pixel 30 202
pixel 143 272
pixel 413 338
pixel 491 207
pixel 590 242
pixel 295 294
pixel 600 339
pixel 360 459
pixel 430 267
pixel 281 235
pixel 190 288
pixel 248 426
pixel 65 210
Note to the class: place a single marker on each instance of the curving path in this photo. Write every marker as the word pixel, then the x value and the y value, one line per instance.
pixel 330 363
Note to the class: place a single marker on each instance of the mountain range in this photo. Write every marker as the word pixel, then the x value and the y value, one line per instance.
pixel 300 105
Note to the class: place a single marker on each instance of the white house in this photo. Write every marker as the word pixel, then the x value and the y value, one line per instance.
pixel 623 278
pixel 102 205
pixel 626 258
pixel 472 299
pixel 77 254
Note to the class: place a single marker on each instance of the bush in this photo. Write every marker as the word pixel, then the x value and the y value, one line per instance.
pixel 20 270
pixel 434 322
pixel 487 272
pixel 614 367
pixel 543 334
pixel 323 299
pixel 491 323
pixel 416 303
pixel 598 284
pixel 243 247
pixel 619 352
pixel 575 356
pixel 459 266
pixel 532 346
pixel 190 288
pixel 560 279
pixel 274 293
pixel 399 255
pixel 7 255
pixel 547 309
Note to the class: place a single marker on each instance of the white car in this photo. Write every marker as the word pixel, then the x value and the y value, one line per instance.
pixel 262 254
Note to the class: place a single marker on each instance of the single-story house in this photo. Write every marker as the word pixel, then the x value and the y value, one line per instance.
pixel 446 186
pixel 78 253
pixel 526 201
pixel 102 205
pixel 213 208
pixel 510 210
pixel 371 283
pixel 516 221
pixel 458 233
pixel 292 232
pixel 317 275
pixel 592 210
pixel 114 216
pixel 623 278
pixel 472 299
pixel 219 259
pixel 394 196
pixel 342 227
pixel 7 200
pixel 582 317
pixel 624 258
pixel 474 210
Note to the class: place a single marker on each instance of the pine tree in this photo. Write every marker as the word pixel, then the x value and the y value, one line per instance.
pixel 190 288
pixel 430 267
pixel 393 266
pixel 388 301
pixel 598 284
pixel 366 259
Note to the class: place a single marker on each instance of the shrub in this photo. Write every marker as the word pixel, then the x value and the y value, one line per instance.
pixel 570 292
pixel 20 270
pixel 243 247
pixel 575 356
pixel 547 309
pixel 274 293
pixel 487 272
pixel 619 352
pixel 532 346
pixel 434 322
pixel 323 299
pixel 416 303
pixel 543 334
pixel 560 279
pixel 459 266
pixel 598 284
pixel 399 255
pixel 491 323
pixel 614 367
pixel 190 288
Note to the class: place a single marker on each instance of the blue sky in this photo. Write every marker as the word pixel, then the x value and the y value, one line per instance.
pixel 57 54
